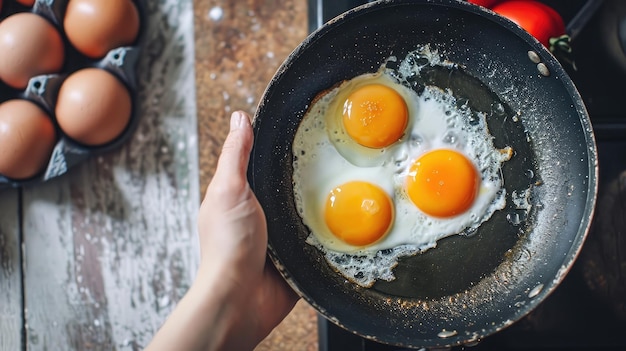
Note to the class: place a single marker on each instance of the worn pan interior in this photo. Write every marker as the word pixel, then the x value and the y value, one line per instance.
pixel 466 287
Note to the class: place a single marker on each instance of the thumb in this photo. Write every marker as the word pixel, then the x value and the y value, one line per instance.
pixel 233 161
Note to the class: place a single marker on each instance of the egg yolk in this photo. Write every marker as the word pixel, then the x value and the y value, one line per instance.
pixel 359 213
pixel 443 183
pixel 375 116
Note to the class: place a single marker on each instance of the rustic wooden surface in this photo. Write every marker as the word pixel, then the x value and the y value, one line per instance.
pixel 11 316
pixel 98 258
pixel 110 247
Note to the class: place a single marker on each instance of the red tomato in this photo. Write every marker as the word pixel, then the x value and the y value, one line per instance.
pixel 484 3
pixel 538 19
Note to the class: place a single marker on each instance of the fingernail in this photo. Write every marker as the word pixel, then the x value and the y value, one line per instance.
pixel 237 120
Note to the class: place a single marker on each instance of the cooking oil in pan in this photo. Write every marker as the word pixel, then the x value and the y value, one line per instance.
pixel 462 261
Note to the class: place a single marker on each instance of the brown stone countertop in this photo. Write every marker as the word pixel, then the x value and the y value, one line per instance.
pixel 239 45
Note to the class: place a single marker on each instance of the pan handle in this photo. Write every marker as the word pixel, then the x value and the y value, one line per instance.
pixel 582 17
pixel 321 11
pixel 561 47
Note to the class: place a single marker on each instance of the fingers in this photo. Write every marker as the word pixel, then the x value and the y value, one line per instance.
pixel 280 299
pixel 286 293
pixel 232 164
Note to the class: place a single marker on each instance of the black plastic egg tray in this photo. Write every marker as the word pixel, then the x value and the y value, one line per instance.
pixel 43 89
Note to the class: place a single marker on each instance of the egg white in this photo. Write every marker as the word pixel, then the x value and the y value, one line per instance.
pixel 325 157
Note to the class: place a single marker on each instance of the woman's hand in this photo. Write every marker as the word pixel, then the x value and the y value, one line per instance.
pixel 238 297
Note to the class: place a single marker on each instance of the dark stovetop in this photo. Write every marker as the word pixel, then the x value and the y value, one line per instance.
pixel 588 309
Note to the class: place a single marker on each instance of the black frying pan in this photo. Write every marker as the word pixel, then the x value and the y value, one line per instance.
pixel 467 287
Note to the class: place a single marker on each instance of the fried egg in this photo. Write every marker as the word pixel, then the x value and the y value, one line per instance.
pixel 382 172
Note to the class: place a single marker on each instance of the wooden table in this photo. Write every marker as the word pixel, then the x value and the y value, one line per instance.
pixel 97 258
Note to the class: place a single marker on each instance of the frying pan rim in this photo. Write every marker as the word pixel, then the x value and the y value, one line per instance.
pixel 585 222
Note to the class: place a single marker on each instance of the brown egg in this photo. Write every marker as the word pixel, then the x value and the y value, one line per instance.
pixel 30 46
pixel 93 106
pixel 27 138
pixel 96 26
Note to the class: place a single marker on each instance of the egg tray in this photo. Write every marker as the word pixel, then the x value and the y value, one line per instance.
pixel 43 89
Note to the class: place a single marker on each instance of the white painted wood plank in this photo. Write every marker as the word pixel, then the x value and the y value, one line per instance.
pixel 11 317
pixel 111 247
